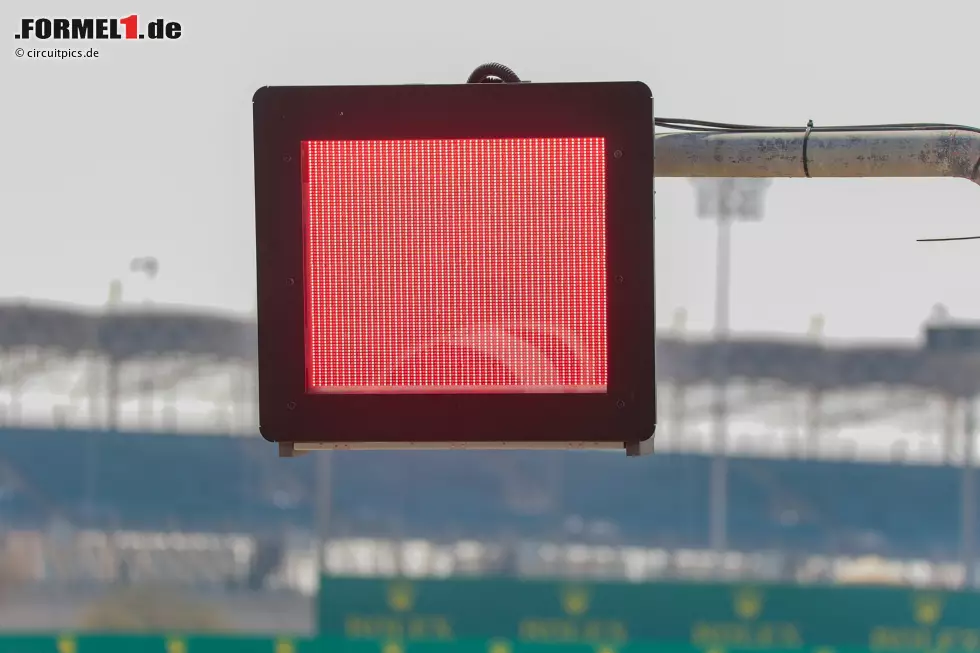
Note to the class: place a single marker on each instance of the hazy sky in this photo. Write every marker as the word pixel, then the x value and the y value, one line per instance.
pixel 148 149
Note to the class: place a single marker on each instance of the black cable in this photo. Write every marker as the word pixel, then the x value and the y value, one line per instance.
pixel 493 73
pixel 687 124
pixel 943 240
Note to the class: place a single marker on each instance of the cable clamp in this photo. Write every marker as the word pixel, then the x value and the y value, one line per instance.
pixel 806 141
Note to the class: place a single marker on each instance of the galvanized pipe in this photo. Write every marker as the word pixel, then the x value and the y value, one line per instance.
pixel 893 153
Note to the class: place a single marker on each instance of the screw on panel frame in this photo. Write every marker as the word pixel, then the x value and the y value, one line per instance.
pixel 618 154
pixel 286 158
pixel 620 404
pixel 290 281
pixel 290 405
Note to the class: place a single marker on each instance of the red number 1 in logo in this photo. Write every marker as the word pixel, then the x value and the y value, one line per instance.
pixel 130 23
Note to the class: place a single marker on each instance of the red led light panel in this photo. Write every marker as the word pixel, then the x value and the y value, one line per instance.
pixel 452 266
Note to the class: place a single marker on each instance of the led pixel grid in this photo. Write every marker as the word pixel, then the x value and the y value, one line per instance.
pixel 452 266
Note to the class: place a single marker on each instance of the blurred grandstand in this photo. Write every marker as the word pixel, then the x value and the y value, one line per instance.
pixel 119 464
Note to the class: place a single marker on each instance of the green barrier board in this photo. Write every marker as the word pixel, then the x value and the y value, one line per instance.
pixel 163 644
pixel 68 643
pixel 613 614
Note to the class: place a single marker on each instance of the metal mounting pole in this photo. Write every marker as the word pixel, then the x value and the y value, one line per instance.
pixel 968 503
pixel 840 154
pixel 718 479
pixel 725 201
pixel 892 153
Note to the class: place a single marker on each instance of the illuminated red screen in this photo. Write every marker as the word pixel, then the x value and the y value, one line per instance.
pixel 451 266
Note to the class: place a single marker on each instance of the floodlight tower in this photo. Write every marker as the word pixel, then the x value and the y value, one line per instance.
pixel 149 267
pixel 724 200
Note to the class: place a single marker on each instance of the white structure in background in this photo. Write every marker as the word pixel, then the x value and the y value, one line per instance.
pixel 149 368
